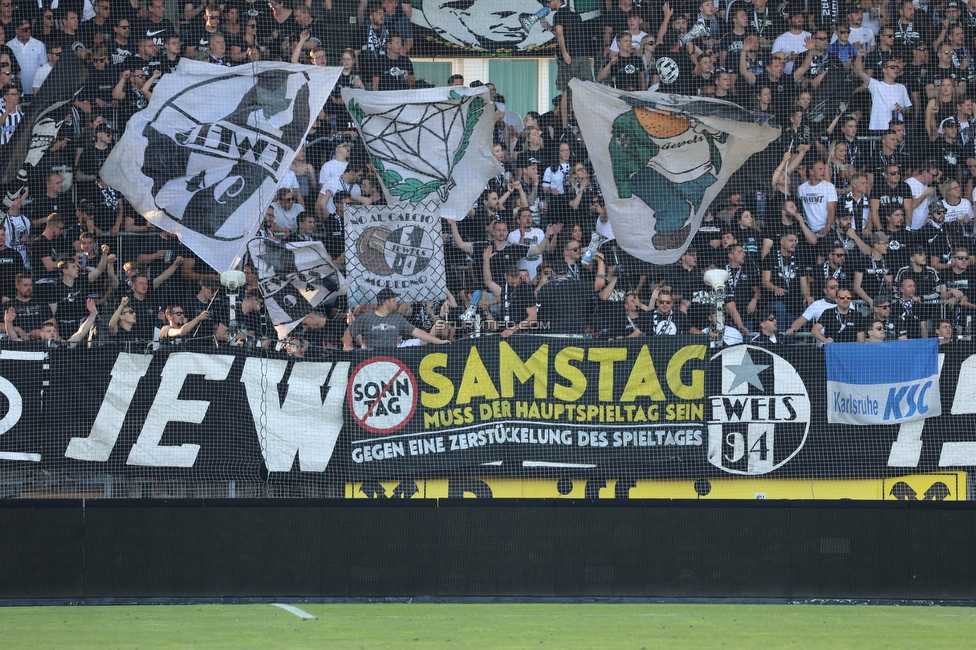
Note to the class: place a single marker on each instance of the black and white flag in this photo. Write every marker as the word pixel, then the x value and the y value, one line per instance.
pixel 295 278
pixel 40 127
pixel 205 158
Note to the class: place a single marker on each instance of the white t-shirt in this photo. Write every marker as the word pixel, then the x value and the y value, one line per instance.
pixel 604 229
pixel 287 218
pixel 289 180
pixel 789 43
pixel 815 199
pixel 41 74
pixel 958 212
pixel 556 179
pixel 533 237
pixel 921 210
pixel 332 168
pixel 860 34
pixel 883 100
pixel 334 184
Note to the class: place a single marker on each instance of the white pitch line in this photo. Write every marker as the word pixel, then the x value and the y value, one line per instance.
pixel 294 610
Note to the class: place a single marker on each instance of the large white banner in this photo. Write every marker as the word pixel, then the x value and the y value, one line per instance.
pixel 428 145
pixel 204 159
pixel 662 159
pixel 396 247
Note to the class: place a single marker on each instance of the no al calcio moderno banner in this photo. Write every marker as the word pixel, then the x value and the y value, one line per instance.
pixel 530 406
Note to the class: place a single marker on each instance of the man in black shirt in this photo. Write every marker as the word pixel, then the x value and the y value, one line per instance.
pixel 665 320
pixel 11 267
pixel 742 289
pixel 780 275
pixel 840 324
pixel 31 311
pixel 518 303
pixel 906 312
pixel 393 70
pixel 571 55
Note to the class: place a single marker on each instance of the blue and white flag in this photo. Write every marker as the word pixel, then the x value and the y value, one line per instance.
pixel 882 383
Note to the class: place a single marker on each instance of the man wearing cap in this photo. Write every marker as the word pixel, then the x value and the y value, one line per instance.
pixel 934 237
pixel 380 328
pixel 923 189
pixel 793 41
pixel 950 156
pixel 872 275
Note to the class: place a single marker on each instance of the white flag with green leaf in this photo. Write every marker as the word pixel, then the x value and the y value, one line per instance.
pixel 430 145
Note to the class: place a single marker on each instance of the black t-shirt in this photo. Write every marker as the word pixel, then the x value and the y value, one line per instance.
pixel 118 54
pixel 393 72
pixel 30 314
pixel 515 303
pixel 899 248
pixel 159 32
pixel 88 29
pixel 573 32
pixel 654 323
pixel 333 231
pixel 784 272
pixel 741 284
pixel 92 159
pixel 887 194
pixel 511 254
pixel 907 316
pixel 626 73
pixel 58 249
pixel 842 328
pixel 44 205
pixel 71 304
pixel 563 306
pixel 685 283
pixel 146 320
pixel 873 273
pixel 11 263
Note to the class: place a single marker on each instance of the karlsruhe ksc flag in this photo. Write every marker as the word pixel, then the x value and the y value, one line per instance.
pixel 661 160
pixel 882 383
pixel 429 145
pixel 203 160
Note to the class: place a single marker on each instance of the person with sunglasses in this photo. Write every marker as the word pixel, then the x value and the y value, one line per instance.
pixel 889 99
pixel 960 287
pixel 876 333
pixel 840 324
pixel 177 327
pixel 97 30
pixel 120 49
pixel 768 330
pixel 774 77
pixel 122 326
pixel 30 53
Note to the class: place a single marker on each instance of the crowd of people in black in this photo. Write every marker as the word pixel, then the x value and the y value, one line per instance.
pixel 855 224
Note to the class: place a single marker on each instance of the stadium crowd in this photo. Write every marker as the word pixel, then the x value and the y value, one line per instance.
pixel 854 224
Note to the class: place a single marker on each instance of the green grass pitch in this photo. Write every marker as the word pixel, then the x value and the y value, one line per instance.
pixel 473 626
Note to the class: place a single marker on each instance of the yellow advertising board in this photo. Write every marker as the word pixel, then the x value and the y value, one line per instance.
pixel 946 486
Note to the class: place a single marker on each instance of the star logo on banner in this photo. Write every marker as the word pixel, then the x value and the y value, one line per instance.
pixel 747 372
